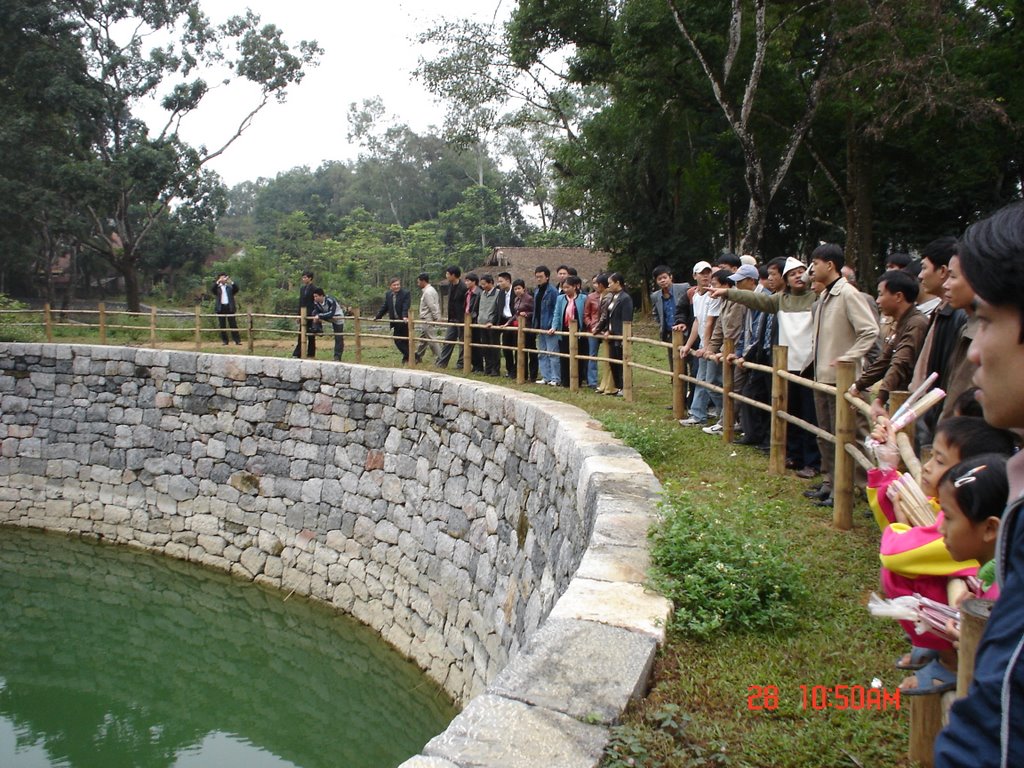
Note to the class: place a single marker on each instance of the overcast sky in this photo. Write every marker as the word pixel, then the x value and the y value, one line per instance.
pixel 369 50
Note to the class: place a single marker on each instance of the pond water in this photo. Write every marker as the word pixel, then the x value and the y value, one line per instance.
pixel 110 657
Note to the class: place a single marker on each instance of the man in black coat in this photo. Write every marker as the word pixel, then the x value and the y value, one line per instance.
pixel 456 313
pixel 224 290
pixel 306 302
pixel 397 303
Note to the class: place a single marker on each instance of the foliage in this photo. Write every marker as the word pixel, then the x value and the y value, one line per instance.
pixel 720 579
pixel 628 746
pixel 10 320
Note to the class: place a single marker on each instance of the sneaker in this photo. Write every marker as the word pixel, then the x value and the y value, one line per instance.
pixel 540 381
pixel 554 384
pixel 714 429
pixel 690 422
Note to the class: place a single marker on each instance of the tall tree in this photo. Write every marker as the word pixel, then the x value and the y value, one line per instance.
pixel 138 174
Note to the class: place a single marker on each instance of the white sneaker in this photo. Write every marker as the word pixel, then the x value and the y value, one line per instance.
pixel 690 422
pixel 714 429
pixel 554 384
pixel 540 381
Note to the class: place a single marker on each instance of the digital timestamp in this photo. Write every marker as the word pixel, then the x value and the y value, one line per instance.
pixel 818 697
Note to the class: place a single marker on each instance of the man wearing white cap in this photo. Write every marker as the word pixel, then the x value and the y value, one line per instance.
pixel 700 302
pixel 792 306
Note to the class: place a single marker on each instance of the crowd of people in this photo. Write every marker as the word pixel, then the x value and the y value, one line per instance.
pixel 954 317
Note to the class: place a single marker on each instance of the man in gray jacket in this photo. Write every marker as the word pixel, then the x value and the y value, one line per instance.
pixel 430 312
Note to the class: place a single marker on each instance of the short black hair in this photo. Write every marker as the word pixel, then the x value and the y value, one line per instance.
pixel 544 269
pixel 454 269
pixel 984 495
pixel 472 276
pixel 487 278
pixel 992 258
pixel 423 276
pixel 308 274
pixel 574 280
pixel 660 270
pixel 506 275
pixel 573 272
pixel 829 252
pixel 729 259
pixel 901 281
pixel 518 281
pixel 940 251
pixel 565 267
pixel 778 264
pixel 972 436
pixel 899 260
pixel 722 276
pixel 319 292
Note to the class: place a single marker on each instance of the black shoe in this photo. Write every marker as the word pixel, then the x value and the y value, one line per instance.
pixel 826 502
pixel 745 441
pixel 819 494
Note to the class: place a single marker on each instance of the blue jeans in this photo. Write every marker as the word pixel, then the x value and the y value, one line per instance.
pixel 548 363
pixel 711 372
pixel 595 345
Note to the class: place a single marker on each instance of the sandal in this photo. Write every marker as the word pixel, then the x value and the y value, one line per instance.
pixel 929 673
pixel 918 658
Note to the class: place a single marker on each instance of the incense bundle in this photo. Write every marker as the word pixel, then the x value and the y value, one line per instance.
pixel 909 415
pixel 915 395
pixel 913 503
pixel 927 615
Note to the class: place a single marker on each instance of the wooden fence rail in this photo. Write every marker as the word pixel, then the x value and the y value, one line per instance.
pixel 154 326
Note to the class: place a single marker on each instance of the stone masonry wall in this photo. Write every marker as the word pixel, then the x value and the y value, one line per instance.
pixel 448 515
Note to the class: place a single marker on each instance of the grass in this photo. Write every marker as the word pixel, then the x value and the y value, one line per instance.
pixel 698 711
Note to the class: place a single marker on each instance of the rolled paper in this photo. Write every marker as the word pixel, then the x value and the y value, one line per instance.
pixel 919 408
pixel 916 395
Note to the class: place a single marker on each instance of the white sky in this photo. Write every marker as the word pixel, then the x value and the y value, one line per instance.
pixel 369 50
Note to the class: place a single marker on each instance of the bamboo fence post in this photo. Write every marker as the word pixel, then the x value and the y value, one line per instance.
pixel 48 322
pixel 303 332
pixel 467 344
pixel 410 361
pixel 521 364
pixel 925 724
pixel 574 359
pixel 627 361
pixel 249 333
pixel 728 404
pixel 102 307
pixel 780 402
pixel 974 613
pixel 357 329
pixel 846 434
pixel 678 385
pixel 152 326
pixel 198 330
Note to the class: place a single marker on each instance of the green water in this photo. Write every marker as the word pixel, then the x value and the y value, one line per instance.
pixel 110 657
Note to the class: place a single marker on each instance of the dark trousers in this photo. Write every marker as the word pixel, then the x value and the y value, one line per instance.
pixel 667 336
pixel 615 355
pixel 227 319
pixel 339 340
pixel 508 348
pixel 532 360
pixel 491 357
pixel 401 333
pixel 564 363
pixel 476 354
pixel 310 342
pixel 756 423
pixel 452 337
pixel 801 445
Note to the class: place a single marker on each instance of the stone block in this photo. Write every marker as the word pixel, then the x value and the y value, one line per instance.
pixel 586 670
pixel 493 731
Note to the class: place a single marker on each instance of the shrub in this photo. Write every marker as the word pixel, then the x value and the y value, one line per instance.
pixel 719 579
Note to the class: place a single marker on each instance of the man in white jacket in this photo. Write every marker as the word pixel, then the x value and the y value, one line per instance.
pixel 430 312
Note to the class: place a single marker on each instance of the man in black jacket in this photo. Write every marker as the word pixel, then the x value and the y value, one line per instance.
pixel 306 302
pixel 456 310
pixel 224 290
pixel 397 303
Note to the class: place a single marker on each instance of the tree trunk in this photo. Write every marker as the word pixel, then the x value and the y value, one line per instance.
pixel 859 225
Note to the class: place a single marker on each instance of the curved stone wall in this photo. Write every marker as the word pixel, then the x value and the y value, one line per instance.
pixel 456 518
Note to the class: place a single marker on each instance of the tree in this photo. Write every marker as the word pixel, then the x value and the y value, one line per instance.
pixel 135 175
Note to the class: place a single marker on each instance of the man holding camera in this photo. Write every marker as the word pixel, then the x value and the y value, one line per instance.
pixel 224 290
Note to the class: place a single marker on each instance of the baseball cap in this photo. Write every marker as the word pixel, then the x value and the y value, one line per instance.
pixel 700 266
pixel 745 272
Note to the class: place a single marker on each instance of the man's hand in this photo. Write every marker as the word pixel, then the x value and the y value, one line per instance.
pixel 719 293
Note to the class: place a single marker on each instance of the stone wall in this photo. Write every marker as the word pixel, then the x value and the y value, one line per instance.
pixel 451 516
